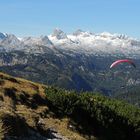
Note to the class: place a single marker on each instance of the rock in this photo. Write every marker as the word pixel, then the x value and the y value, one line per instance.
pixel 54 135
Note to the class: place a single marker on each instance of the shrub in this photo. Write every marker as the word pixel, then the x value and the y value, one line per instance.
pixel 113 119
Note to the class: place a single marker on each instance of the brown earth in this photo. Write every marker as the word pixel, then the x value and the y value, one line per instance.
pixel 24 114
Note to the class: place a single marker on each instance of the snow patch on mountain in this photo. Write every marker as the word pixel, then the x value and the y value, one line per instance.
pixel 2 36
pixel 79 42
pixel 42 40
pixel 79 32
pixel 107 43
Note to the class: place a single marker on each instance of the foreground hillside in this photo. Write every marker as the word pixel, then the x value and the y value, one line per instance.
pixel 24 113
pixel 96 115
pixel 33 111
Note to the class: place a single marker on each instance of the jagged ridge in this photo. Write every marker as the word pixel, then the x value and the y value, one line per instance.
pixel 81 41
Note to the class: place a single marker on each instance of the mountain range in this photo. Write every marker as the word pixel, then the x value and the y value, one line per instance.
pixel 78 61
pixel 79 42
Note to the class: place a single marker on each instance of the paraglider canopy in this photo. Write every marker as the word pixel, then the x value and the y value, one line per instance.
pixel 122 61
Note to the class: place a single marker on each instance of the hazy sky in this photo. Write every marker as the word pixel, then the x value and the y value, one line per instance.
pixel 40 17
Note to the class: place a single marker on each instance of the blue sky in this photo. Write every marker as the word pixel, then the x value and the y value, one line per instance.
pixel 40 17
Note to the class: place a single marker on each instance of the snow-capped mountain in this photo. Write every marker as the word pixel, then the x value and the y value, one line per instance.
pixel 10 40
pixel 59 34
pixel 80 60
pixel 79 32
pixel 80 42
pixel 42 40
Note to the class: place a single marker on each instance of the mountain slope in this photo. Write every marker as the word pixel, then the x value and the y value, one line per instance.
pixel 33 111
pixel 24 113
pixel 78 61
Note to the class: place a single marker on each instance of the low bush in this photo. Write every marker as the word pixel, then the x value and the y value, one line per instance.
pixel 110 118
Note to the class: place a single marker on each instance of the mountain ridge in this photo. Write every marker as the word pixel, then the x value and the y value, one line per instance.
pixel 74 62
pixel 24 113
pixel 80 41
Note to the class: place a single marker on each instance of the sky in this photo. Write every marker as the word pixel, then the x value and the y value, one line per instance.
pixel 41 17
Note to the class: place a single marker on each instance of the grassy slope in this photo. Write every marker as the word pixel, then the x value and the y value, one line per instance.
pixel 24 102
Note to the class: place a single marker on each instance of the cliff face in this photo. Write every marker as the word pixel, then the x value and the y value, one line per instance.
pixel 24 113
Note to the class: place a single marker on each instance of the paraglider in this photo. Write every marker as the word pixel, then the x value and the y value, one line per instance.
pixel 122 61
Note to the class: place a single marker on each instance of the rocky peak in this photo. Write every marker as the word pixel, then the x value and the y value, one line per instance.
pixel 2 36
pixel 82 33
pixel 59 34
pixel 45 40
pixel 78 32
pixel 10 40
